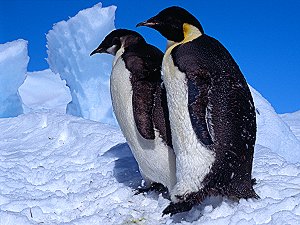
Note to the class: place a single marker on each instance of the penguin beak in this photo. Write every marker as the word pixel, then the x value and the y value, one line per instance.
pixel 148 23
pixel 98 50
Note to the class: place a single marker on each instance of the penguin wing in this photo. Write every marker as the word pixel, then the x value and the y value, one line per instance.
pixel 187 59
pixel 144 80
pixel 161 114
pixel 143 101
pixel 198 84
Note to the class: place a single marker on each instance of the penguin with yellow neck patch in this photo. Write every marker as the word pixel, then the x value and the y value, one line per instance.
pixel 211 113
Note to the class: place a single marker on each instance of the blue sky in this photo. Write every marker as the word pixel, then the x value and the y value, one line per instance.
pixel 262 36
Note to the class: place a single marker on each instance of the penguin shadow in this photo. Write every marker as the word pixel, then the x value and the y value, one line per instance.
pixel 126 170
pixel 208 205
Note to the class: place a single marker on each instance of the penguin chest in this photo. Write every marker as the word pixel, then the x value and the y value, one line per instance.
pixel 121 94
pixel 177 94
pixel 193 159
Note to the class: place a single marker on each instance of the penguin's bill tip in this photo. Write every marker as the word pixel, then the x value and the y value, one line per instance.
pixel 98 50
pixel 147 23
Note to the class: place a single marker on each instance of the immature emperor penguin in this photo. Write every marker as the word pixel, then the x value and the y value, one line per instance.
pixel 212 114
pixel 140 104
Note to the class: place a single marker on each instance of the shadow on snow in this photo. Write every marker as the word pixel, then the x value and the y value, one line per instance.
pixel 126 169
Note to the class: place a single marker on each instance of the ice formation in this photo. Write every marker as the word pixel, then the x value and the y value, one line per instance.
pixel 273 132
pixel 44 90
pixel 13 66
pixel 289 119
pixel 69 45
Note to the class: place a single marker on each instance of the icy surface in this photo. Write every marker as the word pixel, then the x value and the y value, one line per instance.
pixel 44 90
pixel 289 118
pixel 273 132
pixel 13 66
pixel 69 45
pixel 60 169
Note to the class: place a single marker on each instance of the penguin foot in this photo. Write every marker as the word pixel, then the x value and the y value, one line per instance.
pixel 186 202
pixel 157 187
pixel 179 207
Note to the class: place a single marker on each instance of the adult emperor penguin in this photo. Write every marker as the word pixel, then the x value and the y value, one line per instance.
pixel 212 114
pixel 140 104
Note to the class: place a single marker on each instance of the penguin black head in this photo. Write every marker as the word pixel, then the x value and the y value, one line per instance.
pixel 117 38
pixel 173 23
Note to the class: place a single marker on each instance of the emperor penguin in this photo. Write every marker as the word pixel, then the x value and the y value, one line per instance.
pixel 140 104
pixel 211 110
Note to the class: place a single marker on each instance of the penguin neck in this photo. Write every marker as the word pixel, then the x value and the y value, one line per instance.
pixel 170 44
pixel 118 54
pixel 190 33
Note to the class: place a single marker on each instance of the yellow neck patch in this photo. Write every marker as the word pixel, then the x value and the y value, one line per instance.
pixel 190 33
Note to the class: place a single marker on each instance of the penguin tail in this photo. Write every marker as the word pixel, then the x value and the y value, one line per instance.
pixel 242 190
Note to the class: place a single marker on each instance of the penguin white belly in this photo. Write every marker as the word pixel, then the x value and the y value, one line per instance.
pixel 193 160
pixel 155 159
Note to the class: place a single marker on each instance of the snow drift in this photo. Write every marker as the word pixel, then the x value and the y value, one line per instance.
pixel 44 90
pixel 13 66
pixel 292 123
pixel 60 169
pixel 272 132
pixel 69 45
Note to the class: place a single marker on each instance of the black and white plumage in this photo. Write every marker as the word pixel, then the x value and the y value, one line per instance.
pixel 140 104
pixel 212 113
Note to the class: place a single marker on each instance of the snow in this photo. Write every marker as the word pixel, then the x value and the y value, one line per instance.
pixel 69 45
pixel 33 94
pixel 273 132
pixel 13 66
pixel 292 123
pixel 62 169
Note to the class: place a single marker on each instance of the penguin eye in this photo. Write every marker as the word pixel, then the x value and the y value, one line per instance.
pixel 115 41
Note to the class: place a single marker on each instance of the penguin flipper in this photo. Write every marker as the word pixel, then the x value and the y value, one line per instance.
pixel 143 101
pixel 198 87
pixel 145 76
pixel 161 114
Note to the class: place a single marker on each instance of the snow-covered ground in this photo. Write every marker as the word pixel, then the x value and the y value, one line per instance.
pixel 61 169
